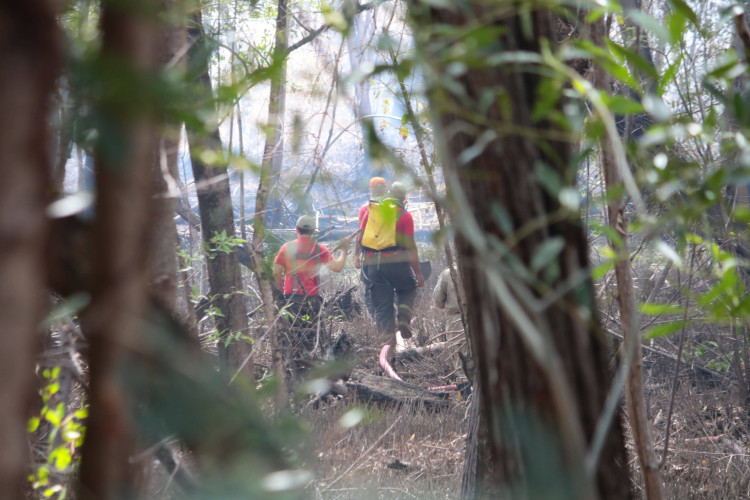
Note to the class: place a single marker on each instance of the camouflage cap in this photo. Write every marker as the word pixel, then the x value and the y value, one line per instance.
pixel 306 222
pixel 398 190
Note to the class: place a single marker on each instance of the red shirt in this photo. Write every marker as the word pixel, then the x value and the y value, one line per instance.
pixel 305 263
pixel 364 209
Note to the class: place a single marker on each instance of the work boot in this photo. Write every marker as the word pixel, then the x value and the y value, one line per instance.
pixel 387 338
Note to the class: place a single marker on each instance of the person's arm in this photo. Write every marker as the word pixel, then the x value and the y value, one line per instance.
pixel 358 242
pixel 413 253
pixel 405 239
pixel 337 264
pixel 278 270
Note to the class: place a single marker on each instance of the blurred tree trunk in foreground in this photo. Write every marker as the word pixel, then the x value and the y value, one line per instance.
pixel 30 60
pixel 215 202
pixel 542 359
pixel 127 143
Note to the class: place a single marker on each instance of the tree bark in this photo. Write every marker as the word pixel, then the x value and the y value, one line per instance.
pixel 163 256
pixel 477 472
pixel 30 61
pixel 265 184
pixel 124 197
pixel 542 363
pixel 215 202
pixel 633 356
pixel 273 152
pixel 361 32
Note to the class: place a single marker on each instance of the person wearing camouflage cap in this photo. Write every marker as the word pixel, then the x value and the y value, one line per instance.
pixel 296 268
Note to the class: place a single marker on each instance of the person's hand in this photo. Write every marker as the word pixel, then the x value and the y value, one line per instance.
pixel 346 243
pixel 357 262
pixel 420 280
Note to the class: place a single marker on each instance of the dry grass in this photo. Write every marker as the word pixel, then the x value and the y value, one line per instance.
pixel 708 456
pixel 353 462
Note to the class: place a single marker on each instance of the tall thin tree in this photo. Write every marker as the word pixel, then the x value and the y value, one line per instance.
pixel 217 219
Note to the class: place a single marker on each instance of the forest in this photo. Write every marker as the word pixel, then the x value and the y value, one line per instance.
pixel 341 249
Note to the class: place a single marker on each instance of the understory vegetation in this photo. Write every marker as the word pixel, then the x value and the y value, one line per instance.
pixel 583 167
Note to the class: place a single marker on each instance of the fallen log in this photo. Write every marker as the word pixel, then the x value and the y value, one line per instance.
pixel 390 392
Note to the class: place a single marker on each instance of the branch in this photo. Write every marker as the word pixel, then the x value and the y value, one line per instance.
pixel 314 33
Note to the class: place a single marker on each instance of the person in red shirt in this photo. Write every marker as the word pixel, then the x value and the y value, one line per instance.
pixel 378 189
pixel 297 266
pixel 392 272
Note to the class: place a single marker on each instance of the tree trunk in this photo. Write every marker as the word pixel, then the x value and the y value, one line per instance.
pixel 358 41
pixel 633 356
pixel 163 257
pixel 215 202
pixel 265 184
pixel 477 472
pixel 63 145
pixel 542 362
pixel 30 60
pixel 124 197
pixel 273 152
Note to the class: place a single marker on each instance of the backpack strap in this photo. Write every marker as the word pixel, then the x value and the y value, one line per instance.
pixel 306 257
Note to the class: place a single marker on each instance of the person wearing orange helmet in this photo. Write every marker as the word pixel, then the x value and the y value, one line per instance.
pixel 390 262
pixel 378 189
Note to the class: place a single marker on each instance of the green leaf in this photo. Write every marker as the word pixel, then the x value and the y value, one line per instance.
pixel 684 9
pixel 669 75
pixel 52 490
pixel 352 418
pixel 621 105
pixel 66 309
pixel 33 424
pixel 608 61
pixel 61 457
pixel 651 24
pixel 602 269
pixel 664 329
pixel 669 252
pixel 547 252
pixel 654 309
pixel 635 59
pixel 676 24
pixel 55 416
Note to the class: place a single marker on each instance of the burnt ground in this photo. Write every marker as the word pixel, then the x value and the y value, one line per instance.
pixel 708 450
pixel 362 451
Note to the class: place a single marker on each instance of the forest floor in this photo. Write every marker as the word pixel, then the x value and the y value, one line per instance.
pixel 411 452
pixel 408 452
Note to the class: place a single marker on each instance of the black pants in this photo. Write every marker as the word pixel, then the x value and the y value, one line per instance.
pixel 389 280
pixel 367 294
